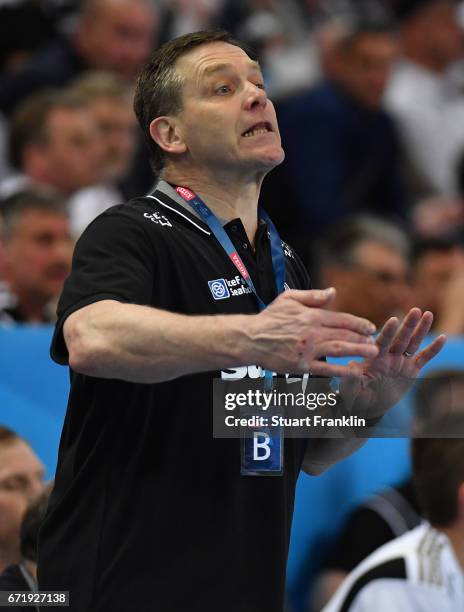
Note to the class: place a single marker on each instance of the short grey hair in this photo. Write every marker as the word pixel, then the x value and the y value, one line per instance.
pixel 14 206
pixel 338 246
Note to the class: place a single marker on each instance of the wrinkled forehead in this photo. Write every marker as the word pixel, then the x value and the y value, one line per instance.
pixel 205 61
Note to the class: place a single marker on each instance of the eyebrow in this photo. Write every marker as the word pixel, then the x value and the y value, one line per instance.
pixel 211 70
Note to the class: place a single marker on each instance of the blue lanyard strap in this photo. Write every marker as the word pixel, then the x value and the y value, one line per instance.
pixel 278 259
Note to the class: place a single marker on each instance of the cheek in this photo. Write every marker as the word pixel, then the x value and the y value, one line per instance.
pixel 12 508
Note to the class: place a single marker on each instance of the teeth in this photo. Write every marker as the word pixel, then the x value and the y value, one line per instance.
pixel 256 131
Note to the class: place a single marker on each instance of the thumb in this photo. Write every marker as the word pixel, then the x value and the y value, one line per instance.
pixel 314 297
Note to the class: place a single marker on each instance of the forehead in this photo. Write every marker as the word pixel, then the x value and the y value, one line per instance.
pixel 63 118
pixel 33 221
pixel 205 60
pixel 378 253
pixel 17 456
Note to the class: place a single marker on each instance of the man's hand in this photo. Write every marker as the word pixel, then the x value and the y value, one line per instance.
pixel 385 378
pixel 296 331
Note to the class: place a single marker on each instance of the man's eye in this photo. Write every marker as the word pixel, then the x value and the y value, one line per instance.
pixel 223 89
pixel 260 86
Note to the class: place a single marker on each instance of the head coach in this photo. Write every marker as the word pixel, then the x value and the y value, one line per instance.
pixel 149 512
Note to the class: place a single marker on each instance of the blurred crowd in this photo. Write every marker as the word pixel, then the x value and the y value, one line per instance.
pixel 370 102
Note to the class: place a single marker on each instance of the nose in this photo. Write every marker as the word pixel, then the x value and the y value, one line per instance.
pixel 256 97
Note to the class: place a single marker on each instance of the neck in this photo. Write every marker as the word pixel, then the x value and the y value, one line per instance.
pixel 8 557
pixel 433 64
pixel 227 199
pixel 31 306
pixel 456 538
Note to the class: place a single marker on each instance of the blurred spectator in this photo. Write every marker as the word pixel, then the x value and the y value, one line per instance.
pixel 35 255
pixel 116 35
pixel 438 283
pixel 367 260
pixel 110 103
pixel 342 151
pixel 23 575
pixel 394 511
pixel 53 141
pixel 426 103
pixel 424 568
pixel 21 479
pixel 180 17
pixel 25 27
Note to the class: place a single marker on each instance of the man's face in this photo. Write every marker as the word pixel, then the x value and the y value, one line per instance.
pixel 366 67
pixel 377 285
pixel 223 99
pixel 439 32
pixel 72 155
pixel 38 255
pixel 432 273
pixel 121 36
pixel 21 479
pixel 117 124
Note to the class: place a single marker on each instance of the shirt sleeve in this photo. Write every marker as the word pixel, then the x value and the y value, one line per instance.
pixel 389 595
pixel 113 259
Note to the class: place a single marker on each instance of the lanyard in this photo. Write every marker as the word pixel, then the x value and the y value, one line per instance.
pixel 278 259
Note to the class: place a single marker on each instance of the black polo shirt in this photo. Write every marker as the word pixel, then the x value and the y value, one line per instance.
pixel 149 512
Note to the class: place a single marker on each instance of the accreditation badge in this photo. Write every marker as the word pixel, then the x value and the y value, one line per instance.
pixel 262 445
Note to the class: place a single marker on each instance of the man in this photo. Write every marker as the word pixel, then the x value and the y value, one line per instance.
pixel 423 570
pixel 153 310
pixel 110 105
pixel 342 150
pixel 115 35
pixel 53 142
pixel 438 282
pixel 35 255
pixel 21 479
pixel 22 576
pixel 429 108
pixel 367 260
pixel 392 512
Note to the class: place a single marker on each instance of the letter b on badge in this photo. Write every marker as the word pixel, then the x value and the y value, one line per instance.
pixel 262 452
pixel 261 446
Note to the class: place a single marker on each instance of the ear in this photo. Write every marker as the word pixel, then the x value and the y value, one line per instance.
pixel 167 134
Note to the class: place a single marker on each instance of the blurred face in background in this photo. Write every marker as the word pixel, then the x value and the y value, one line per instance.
pixel 433 271
pixel 118 126
pixel 365 66
pixel 21 479
pixel 118 35
pixel 70 157
pixel 435 35
pixel 375 286
pixel 37 256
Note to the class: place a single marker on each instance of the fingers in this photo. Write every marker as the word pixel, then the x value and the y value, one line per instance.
pixel 321 368
pixel 347 336
pixel 430 351
pixel 405 332
pixel 386 335
pixel 337 348
pixel 343 320
pixel 311 297
pixel 422 329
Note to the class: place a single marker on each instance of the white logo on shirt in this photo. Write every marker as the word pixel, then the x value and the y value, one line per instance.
pixel 287 250
pixel 157 218
pixel 222 288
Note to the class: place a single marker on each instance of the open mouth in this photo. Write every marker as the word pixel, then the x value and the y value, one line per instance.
pixel 258 129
